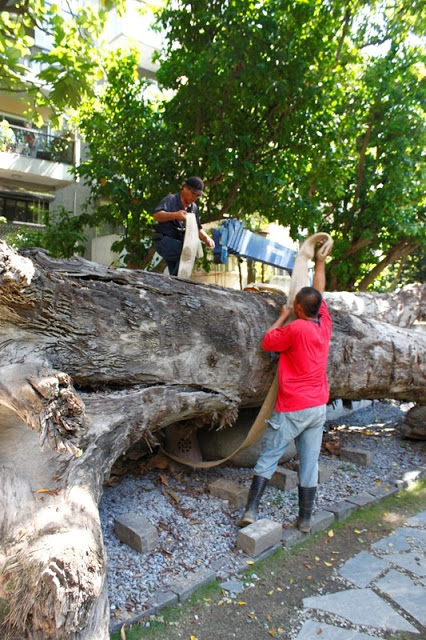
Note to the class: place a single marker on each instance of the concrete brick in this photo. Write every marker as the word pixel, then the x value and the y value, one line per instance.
pixel 361 499
pixel 166 599
pixel 221 565
pixel 291 536
pixel 146 613
pixel 137 532
pixel 269 551
pixel 342 509
pixel 357 456
pixel 284 479
pixel 241 563
pixel 259 536
pixel 383 490
pixel 185 588
pixel 324 473
pixel 321 520
pixel 227 490
pixel 375 498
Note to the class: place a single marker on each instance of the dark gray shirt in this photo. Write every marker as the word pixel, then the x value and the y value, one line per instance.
pixel 174 228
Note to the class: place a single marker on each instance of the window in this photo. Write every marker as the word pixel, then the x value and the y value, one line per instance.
pixel 22 209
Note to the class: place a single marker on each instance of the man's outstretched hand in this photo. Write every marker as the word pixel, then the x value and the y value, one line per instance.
pixel 323 249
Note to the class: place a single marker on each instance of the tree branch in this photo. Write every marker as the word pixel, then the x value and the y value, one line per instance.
pixel 399 251
pixel 345 29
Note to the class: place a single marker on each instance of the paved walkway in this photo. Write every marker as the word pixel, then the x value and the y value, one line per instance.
pixel 388 592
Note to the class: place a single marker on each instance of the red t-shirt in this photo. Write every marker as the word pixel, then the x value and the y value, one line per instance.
pixel 303 347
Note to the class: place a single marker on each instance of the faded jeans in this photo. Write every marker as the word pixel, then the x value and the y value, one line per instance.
pixel 306 428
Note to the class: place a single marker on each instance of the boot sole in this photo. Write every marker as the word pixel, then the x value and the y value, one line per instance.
pixel 304 528
pixel 245 522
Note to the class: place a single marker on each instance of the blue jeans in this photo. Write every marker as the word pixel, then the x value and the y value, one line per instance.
pixel 305 427
pixel 170 249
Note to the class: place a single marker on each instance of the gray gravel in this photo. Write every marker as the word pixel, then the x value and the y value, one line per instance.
pixel 197 529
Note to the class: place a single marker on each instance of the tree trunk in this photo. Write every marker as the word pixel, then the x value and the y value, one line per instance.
pixel 94 360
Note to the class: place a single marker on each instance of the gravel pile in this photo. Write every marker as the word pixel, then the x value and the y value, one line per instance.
pixel 196 529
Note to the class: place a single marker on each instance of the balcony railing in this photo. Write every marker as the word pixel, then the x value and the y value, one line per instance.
pixel 45 146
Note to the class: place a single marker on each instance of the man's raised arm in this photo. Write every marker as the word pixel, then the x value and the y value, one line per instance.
pixel 319 276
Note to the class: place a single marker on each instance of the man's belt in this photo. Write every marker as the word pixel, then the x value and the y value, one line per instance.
pixel 157 236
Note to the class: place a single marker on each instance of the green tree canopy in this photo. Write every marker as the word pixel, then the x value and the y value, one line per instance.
pixel 248 81
pixel 377 217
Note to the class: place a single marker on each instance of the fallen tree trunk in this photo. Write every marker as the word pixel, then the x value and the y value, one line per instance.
pixel 94 360
pixel 401 309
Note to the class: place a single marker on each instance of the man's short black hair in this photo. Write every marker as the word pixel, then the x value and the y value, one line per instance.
pixel 310 300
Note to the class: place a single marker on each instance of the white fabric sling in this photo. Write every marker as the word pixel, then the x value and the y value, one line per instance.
pixel 191 247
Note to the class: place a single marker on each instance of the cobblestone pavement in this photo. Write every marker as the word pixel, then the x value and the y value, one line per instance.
pixel 387 592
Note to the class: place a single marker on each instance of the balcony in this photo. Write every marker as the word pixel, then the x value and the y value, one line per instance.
pixel 39 158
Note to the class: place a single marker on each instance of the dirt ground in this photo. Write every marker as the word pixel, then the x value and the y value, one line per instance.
pixel 272 607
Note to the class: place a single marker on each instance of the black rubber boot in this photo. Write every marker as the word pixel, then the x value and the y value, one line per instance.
pixel 306 504
pixel 257 488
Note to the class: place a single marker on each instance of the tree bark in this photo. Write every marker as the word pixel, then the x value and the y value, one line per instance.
pixel 402 308
pixel 94 360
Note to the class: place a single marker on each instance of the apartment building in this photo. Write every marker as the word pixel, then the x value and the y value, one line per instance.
pixel 36 163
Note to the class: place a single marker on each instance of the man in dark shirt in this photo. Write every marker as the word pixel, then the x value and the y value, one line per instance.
pixel 170 215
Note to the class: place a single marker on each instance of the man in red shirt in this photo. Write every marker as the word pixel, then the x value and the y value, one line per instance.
pixel 300 408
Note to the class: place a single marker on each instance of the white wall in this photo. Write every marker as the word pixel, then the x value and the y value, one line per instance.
pixel 101 250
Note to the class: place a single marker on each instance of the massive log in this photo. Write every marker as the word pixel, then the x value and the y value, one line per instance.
pixel 94 360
